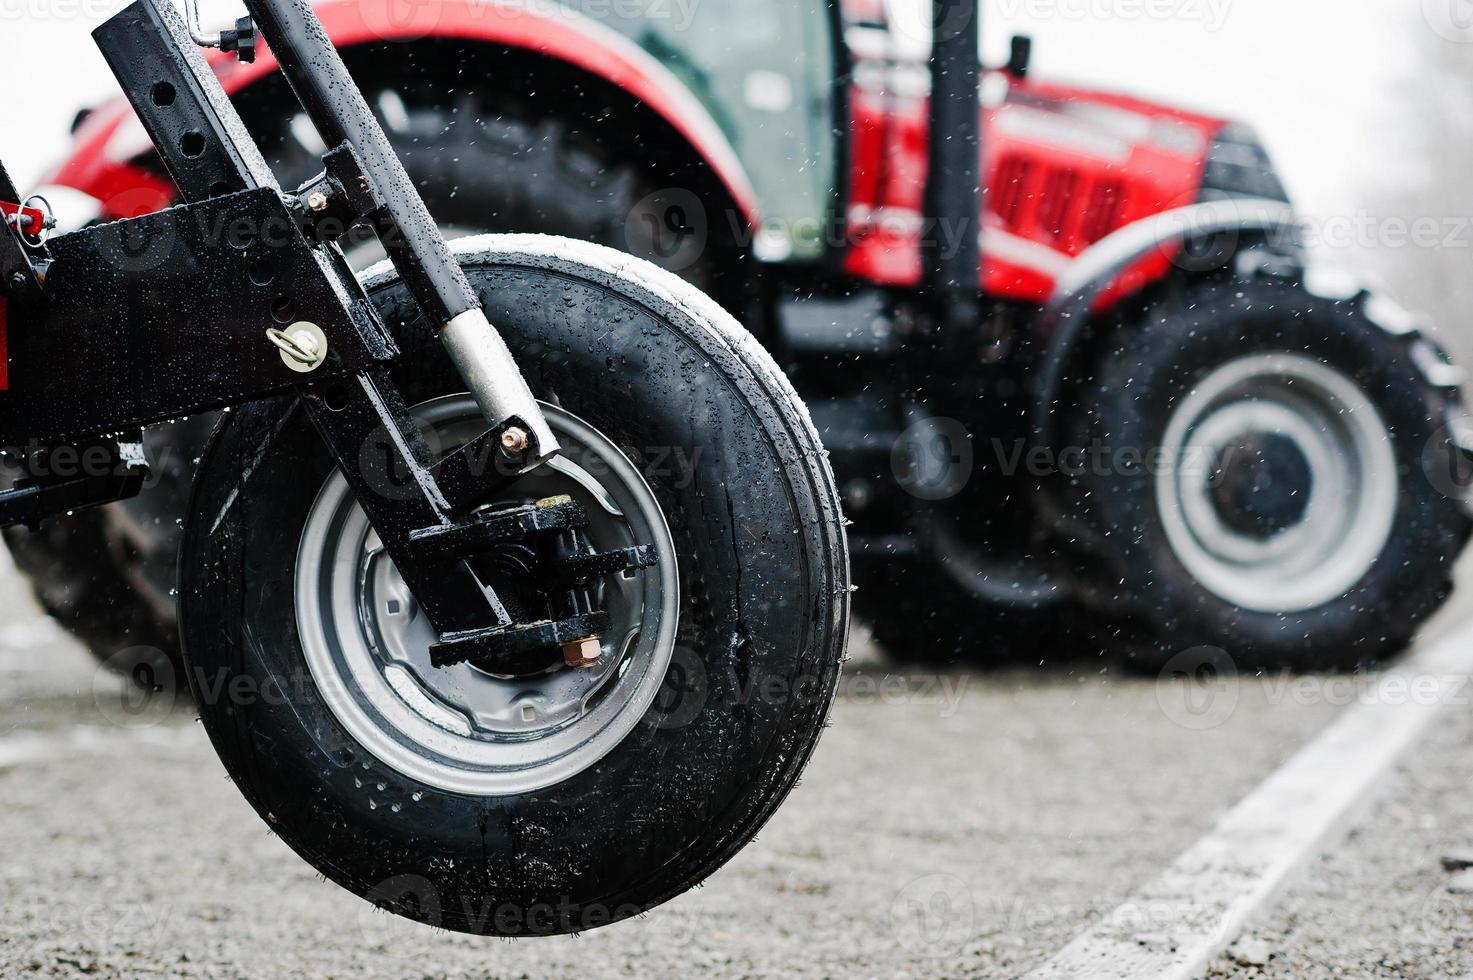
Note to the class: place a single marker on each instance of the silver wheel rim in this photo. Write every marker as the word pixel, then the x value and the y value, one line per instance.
pixel 1332 433
pixel 459 729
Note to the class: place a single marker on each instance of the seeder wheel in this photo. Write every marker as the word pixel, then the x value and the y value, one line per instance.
pixel 566 800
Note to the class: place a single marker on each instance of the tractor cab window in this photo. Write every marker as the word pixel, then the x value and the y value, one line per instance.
pixel 764 70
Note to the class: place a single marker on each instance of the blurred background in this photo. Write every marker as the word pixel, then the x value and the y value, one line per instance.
pixel 1365 105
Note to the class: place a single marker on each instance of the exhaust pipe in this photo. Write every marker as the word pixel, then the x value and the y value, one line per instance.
pixel 951 256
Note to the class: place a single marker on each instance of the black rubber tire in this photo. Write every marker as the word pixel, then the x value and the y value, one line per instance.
pixel 969 584
pixel 107 574
pixel 746 489
pixel 1200 324
pixel 926 611
pixel 82 574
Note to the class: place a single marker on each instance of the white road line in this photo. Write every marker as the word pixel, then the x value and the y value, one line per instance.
pixel 1173 927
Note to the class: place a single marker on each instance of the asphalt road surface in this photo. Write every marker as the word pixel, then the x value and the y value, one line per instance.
pixel 965 824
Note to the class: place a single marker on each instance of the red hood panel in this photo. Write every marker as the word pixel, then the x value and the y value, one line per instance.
pixel 1064 167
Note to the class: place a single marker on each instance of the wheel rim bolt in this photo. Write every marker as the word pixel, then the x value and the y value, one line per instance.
pixel 515 440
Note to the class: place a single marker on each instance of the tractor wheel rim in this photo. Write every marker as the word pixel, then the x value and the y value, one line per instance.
pixel 1311 428
pixel 457 728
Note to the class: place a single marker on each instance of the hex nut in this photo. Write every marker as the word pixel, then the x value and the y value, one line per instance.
pixel 582 653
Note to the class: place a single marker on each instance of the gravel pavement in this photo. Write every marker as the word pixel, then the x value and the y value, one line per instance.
pixel 961 824
pixel 1380 903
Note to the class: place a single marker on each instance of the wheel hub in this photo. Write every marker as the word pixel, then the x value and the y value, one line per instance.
pixel 459 727
pixel 1261 485
pixel 1279 486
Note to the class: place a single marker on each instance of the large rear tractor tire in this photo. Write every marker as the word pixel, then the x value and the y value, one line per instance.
pixel 1283 482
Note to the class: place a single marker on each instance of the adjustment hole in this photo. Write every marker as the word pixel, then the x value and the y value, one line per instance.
pixel 192 143
pixel 282 309
pixel 240 233
pixel 335 398
pixel 262 274
pixel 163 94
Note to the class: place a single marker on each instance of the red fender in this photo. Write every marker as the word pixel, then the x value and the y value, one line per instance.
pixel 112 136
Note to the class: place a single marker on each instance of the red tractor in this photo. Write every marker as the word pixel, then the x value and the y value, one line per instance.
pixel 1107 391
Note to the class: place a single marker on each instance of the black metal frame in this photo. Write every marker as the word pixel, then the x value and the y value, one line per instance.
pixel 136 321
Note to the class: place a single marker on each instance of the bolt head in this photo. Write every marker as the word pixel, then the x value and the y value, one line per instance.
pixel 317 201
pixel 307 342
pixel 515 440
pixel 582 653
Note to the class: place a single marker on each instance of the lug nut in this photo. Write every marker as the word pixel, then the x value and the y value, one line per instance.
pixel 515 440
pixel 317 201
pixel 582 653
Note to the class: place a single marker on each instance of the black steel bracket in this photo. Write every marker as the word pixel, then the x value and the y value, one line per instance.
pixel 18 279
pixel 338 198
pixel 166 315
pixel 178 99
pixel 567 573
pixel 56 479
